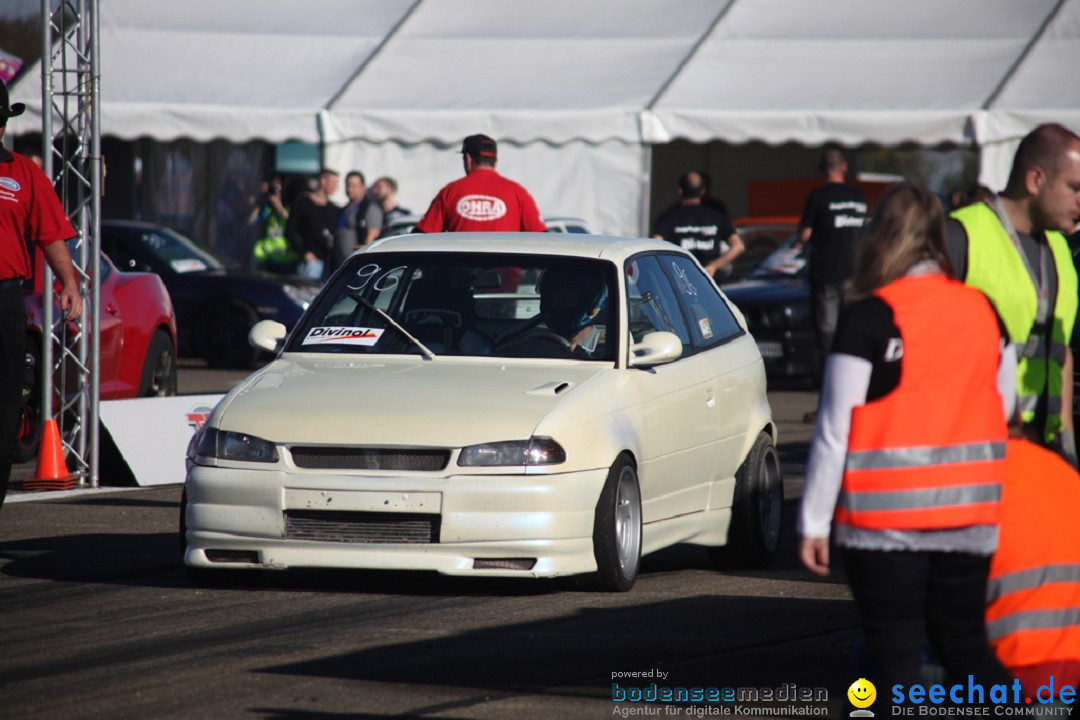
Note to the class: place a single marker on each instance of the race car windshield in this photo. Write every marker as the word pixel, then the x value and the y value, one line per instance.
pixel 466 304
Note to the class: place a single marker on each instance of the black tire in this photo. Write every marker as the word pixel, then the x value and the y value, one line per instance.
pixel 30 420
pixel 757 510
pixel 617 528
pixel 159 367
pixel 5 477
pixel 222 334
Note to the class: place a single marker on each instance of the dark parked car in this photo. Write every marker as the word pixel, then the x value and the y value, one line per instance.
pixel 216 303
pixel 775 298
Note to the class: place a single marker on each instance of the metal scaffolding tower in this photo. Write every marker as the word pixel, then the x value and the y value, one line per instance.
pixel 71 154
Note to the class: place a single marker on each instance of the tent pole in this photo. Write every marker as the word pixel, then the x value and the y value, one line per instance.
pixel 646 184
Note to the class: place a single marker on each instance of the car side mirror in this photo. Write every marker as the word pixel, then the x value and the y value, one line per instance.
pixel 656 348
pixel 267 335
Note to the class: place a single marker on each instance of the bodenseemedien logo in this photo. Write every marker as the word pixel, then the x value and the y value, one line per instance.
pixel 862 695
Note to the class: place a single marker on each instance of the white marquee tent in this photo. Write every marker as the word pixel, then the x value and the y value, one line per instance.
pixel 578 91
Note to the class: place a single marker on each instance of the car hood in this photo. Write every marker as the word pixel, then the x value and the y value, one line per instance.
pixel 446 402
pixel 759 292
pixel 252 277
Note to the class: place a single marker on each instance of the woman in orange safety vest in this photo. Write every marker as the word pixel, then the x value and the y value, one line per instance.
pixel 907 459
pixel 1033 597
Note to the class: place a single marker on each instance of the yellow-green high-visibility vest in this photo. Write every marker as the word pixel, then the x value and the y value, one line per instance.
pixel 995 266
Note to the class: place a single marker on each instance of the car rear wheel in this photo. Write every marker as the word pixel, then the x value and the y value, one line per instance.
pixel 222 334
pixel 159 367
pixel 617 528
pixel 757 510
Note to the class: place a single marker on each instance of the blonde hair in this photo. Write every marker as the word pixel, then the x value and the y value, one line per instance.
pixel 907 227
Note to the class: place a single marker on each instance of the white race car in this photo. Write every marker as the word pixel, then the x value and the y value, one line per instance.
pixel 494 404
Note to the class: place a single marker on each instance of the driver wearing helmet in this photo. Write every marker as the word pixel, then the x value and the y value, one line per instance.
pixel 570 301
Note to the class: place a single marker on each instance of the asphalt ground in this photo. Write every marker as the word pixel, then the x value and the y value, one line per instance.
pixel 98 619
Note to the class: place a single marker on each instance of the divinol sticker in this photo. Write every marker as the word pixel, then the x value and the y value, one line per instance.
pixel 343 336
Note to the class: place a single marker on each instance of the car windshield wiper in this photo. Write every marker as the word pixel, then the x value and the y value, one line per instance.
pixel 394 324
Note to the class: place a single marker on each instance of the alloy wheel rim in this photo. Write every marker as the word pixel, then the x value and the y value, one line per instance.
pixel 627 521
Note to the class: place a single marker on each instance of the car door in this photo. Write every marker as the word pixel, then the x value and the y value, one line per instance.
pixel 112 333
pixel 677 401
pixel 728 350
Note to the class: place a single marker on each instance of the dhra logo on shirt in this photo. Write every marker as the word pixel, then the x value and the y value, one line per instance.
pixel 10 184
pixel 481 207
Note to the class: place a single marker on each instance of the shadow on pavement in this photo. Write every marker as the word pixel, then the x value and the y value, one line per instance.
pixel 705 641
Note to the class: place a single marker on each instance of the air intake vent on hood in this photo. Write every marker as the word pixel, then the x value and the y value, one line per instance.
pixel 550 389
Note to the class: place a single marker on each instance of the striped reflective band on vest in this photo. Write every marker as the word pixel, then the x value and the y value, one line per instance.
pixel 1035 347
pixel 922 456
pixel 919 499
pixel 1028 404
pixel 1030 579
pixel 1032 620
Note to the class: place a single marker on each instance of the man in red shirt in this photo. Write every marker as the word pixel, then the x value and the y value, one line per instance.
pixel 29 210
pixel 483 200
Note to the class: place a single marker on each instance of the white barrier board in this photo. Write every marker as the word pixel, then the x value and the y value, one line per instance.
pixel 152 434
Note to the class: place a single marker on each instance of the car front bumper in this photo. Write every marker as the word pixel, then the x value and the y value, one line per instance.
pixel 482 525
pixel 789 353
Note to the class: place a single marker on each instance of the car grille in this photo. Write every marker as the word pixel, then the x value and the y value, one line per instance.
pixel 351 458
pixel 362 527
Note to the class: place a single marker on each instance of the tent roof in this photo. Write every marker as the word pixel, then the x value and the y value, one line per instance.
pixel 557 70
pixel 593 70
pixel 1044 87
pixel 848 70
pixel 235 69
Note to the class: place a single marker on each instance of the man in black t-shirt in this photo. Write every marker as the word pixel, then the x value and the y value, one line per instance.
pixel 312 221
pixel 707 233
pixel 832 222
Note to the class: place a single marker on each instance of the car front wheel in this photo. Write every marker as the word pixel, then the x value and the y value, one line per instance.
pixel 617 528
pixel 756 512
pixel 159 367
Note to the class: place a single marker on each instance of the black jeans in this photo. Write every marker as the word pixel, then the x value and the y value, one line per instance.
pixel 826 301
pixel 12 371
pixel 907 598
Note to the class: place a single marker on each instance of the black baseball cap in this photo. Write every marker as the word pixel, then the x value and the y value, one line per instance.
pixel 479 146
pixel 6 109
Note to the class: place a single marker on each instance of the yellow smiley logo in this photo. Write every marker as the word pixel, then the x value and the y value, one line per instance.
pixel 862 693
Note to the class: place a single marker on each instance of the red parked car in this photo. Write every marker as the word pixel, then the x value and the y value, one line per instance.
pixel 138 345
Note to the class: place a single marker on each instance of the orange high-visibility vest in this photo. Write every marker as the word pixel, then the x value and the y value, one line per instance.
pixel 1033 595
pixel 930 454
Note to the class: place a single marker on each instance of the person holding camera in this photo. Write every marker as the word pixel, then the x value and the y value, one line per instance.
pixel 269 217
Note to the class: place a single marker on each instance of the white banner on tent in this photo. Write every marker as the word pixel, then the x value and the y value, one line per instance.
pixel 152 434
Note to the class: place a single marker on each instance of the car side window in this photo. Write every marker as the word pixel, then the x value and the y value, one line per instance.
pixel 120 255
pixel 651 302
pixel 711 320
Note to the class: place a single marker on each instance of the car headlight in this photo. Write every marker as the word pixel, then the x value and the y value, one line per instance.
pixel 798 314
pixel 534 451
pixel 228 445
pixel 302 295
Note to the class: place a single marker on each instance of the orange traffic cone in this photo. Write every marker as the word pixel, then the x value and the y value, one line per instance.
pixel 52 472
